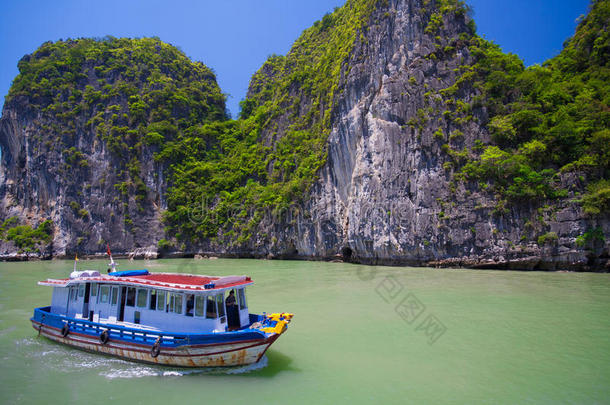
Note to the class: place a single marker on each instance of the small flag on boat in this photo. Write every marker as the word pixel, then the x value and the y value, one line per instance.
pixel 75 260
pixel 112 263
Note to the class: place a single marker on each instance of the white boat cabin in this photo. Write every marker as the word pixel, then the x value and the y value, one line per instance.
pixel 159 301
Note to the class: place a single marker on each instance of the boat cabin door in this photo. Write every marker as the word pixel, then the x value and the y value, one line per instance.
pixel 122 305
pixel 86 302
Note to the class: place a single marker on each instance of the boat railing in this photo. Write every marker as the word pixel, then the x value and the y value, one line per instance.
pixel 137 336
pixel 118 332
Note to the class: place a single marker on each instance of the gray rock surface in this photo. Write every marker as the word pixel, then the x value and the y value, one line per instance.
pixel 37 183
pixel 384 196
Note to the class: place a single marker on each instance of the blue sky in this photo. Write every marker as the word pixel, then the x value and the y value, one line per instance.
pixel 235 37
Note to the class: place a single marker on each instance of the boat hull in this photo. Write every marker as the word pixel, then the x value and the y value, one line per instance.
pixel 121 342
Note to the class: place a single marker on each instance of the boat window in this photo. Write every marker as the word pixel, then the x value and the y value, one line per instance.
pixel 210 307
pixel 81 290
pixel 93 289
pixel 190 303
pixel 161 300
pixel 221 304
pixel 241 293
pixel 175 303
pixel 131 297
pixel 104 294
pixel 136 317
pixel 153 299
pixel 199 301
pixel 142 297
pixel 178 304
pixel 73 293
pixel 115 295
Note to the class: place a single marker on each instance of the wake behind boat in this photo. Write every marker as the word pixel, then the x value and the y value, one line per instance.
pixel 164 318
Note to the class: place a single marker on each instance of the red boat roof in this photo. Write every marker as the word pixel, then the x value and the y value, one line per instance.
pixel 173 281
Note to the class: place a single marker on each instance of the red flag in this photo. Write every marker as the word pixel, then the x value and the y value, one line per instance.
pixel 108 249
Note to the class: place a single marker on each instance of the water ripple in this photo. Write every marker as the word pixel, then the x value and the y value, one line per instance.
pixel 60 358
pixel 152 371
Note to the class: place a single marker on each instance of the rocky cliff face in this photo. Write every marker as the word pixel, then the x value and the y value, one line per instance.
pixel 78 134
pixel 39 182
pixel 396 124
pixel 386 194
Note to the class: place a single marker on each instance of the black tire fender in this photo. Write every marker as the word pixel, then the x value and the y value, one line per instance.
pixel 104 337
pixel 65 331
pixel 156 348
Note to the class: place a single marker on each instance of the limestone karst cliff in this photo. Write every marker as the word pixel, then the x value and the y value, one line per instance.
pixel 407 116
pixel 79 131
pixel 390 133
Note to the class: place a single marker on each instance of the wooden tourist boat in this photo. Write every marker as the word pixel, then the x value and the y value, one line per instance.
pixel 164 318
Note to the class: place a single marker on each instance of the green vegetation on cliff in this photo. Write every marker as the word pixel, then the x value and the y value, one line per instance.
pixel 26 238
pixel 241 169
pixel 160 83
pixel 224 176
pixel 131 93
pixel 135 96
pixel 545 120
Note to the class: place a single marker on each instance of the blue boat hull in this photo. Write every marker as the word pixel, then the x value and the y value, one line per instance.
pixel 235 348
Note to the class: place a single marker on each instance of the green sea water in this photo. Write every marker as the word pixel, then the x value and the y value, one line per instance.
pixel 360 334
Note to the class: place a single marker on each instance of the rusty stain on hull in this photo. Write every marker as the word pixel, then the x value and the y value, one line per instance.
pixel 188 356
